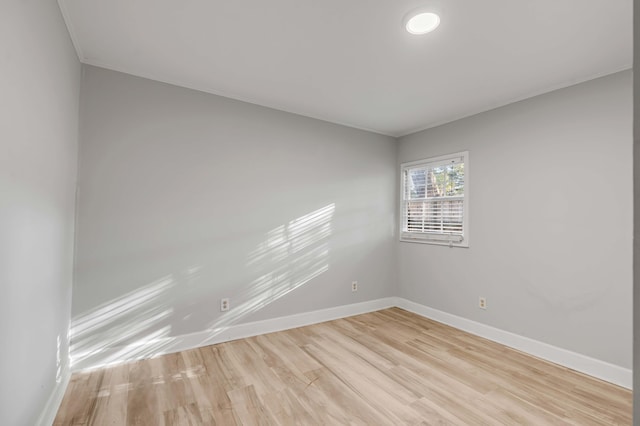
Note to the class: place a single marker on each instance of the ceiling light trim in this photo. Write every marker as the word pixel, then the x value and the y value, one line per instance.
pixel 422 23
pixel 434 7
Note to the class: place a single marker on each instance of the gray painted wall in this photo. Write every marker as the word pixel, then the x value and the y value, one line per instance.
pixel 39 83
pixel 187 197
pixel 636 214
pixel 551 220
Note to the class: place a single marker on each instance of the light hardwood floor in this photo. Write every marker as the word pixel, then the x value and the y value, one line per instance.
pixel 384 368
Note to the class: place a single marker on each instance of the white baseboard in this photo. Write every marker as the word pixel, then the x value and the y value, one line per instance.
pixel 50 410
pixel 582 363
pixel 118 355
pixel 575 361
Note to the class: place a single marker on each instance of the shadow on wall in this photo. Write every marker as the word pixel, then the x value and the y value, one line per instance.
pixel 139 324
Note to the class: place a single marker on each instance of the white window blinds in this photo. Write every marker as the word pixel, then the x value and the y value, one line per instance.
pixel 433 199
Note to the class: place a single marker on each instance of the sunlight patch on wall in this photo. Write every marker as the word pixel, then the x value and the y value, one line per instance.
pixel 281 242
pixel 138 324
pixel 58 360
pixel 290 256
pixel 129 323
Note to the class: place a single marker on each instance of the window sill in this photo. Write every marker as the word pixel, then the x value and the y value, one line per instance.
pixel 463 244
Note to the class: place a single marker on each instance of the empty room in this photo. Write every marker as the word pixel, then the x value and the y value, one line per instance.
pixel 317 212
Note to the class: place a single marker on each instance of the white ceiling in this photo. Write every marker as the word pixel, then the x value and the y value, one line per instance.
pixel 352 62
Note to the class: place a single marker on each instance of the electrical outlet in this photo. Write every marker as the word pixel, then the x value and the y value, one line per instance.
pixel 224 305
pixel 482 303
pixel 354 286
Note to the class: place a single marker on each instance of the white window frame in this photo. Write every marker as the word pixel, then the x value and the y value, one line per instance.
pixel 450 240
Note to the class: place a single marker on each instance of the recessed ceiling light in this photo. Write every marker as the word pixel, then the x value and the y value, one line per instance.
pixel 422 23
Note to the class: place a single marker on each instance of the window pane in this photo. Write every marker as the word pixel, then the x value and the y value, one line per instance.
pixel 437 182
pixel 455 179
pixel 417 183
pixel 446 181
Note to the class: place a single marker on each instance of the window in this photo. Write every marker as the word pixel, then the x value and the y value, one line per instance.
pixel 435 203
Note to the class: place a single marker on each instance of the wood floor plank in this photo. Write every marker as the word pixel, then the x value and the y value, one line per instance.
pixel 84 400
pixel 187 415
pixel 374 387
pixel 211 388
pixel 389 367
pixel 111 403
pixel 142 401
pixel 248 407
pixel 339 404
